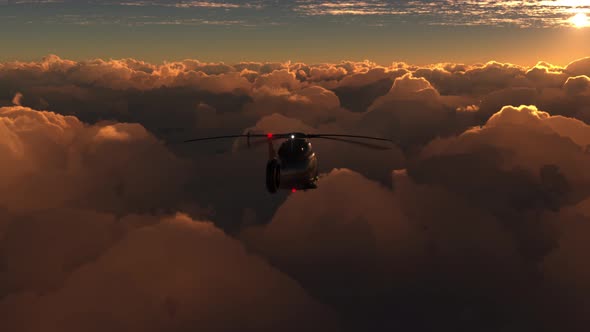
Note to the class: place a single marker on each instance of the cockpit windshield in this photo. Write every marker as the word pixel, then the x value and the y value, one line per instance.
pixel 294 149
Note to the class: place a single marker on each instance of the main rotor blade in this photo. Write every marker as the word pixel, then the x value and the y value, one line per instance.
pixel 363 144
pixel 348 136
pixel 253 144
pixel 335 137
pixel 223 137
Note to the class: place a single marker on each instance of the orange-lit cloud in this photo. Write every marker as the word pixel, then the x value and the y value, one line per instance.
pixel 158 276
pixel 488 173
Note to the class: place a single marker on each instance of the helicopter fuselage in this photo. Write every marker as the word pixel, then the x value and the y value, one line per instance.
pixel 295 167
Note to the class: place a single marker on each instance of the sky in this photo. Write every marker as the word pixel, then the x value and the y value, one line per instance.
pixel 474 217
pixel 311 31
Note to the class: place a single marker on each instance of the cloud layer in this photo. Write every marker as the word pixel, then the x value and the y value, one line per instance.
pixel 175 275
pixel 476 219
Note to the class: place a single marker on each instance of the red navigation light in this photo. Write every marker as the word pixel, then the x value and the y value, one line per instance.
pixel 269 135
pixel 293 190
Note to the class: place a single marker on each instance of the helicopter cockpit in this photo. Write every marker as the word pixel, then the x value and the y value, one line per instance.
pixel 295 150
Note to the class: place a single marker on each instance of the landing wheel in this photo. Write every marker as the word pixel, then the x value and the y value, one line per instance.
pixel 273 175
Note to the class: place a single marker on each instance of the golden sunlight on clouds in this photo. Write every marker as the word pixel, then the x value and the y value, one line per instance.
pixel 580 20
pixel 112 133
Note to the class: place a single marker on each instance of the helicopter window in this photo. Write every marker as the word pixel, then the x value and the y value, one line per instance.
pixel 295 149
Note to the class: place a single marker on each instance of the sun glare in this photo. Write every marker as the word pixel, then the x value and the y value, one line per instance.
pixel 580 20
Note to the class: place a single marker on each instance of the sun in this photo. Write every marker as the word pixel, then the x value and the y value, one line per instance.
pixel 580 20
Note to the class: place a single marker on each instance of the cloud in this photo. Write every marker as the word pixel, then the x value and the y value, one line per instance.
pixel 361 219
pixel 278 80
pixel 17 99
pixel 504 197
pixel 408 87
pixel 92 169
pixel 130 74
pixel 313 105
pixel 122 90
pixel 458 79
pixel 579 67
pixel 410 113
pixel 382 257
pixel 327 73
pixel 63 241
pixel 564 265
pixel 175 101
pixel 530 14
pixel 537 14
pixel 50 160
pixel 349 234
pixel 191 4
pixel 551 149
pixel 577 85
pixel 177 274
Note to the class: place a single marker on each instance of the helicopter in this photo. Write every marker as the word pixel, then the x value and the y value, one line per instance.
pixel 295 165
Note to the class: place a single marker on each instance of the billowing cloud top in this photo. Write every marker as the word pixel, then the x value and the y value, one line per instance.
pixel 477 215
